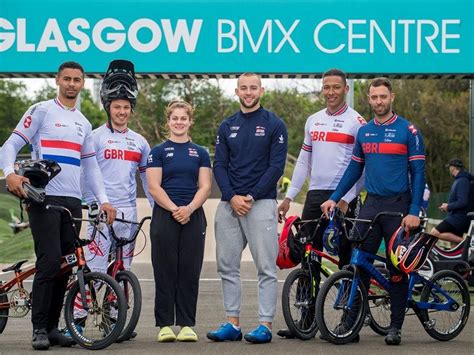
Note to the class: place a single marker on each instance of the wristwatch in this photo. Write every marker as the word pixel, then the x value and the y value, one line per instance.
pixel 251 198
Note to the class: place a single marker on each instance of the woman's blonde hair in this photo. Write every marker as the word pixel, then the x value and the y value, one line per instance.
pixel 174 105
pixel 179 104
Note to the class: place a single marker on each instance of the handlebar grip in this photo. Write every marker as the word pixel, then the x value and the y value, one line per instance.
pixel 392 214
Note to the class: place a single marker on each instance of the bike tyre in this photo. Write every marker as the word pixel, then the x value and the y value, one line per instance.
pixel 119 303
pixel 440 278
pixel 323 317
pixel 3 312
pixel 129 279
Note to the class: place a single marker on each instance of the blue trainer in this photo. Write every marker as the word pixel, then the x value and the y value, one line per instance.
pixel 226 332
pixel 259 335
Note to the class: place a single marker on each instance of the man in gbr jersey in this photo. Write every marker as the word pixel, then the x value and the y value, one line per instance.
pixel 120 152
pixel 55 130
pixel 329 137
pixel 392 151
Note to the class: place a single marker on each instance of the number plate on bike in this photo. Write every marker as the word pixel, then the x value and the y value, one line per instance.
pixel 70 259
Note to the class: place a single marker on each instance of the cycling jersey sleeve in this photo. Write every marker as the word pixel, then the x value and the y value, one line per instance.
pixel 276 162
pixel 416 162
pixel 25 130
pixel 302 166
pixel 91 170
pixel 356 189
pixel 142 169
pixel 353 173
pixel 221 164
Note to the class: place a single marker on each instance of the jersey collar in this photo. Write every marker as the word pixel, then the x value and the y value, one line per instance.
pixel 392 119
pixel 338 112
pixel 57 102
pixel 116 130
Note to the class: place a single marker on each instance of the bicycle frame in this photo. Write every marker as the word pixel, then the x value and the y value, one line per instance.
pixel 363 260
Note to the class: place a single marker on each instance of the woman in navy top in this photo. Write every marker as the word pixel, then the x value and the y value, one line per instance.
pixel 179 176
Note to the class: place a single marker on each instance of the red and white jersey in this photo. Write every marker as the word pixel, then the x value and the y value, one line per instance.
pixel 326 151
pixel 57 133
pixel 119 155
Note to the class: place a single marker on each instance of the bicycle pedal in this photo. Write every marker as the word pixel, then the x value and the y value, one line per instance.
pixel 366 320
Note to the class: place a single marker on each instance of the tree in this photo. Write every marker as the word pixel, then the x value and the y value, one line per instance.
pixel 210 104
pixel 13 104
pixel 294 108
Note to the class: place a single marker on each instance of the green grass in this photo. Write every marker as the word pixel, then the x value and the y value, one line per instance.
pixel 13 247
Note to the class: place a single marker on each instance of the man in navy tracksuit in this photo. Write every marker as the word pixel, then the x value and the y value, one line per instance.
pixel 456 223
pixel 391 150
pixel 250 157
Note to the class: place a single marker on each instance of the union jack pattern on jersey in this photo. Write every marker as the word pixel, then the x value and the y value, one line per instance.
pixel 57 133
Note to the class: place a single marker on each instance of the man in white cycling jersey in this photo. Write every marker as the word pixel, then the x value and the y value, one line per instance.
pixel 120 152
pixel 55 130
pixel 329 137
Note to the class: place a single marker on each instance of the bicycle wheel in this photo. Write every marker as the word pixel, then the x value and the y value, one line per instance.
pixel 3 312
pixel 336 323
pixel 378 302
pixel 440 324
pixel 133 294
pixel 101 324
pixel 298 304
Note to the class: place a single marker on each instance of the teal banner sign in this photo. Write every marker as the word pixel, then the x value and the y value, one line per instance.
pixel 362 37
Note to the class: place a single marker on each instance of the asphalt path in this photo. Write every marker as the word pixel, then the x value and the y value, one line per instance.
pixel 17 335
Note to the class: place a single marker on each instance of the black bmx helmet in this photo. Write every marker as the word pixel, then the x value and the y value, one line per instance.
pixel 119 83
pixel 39 172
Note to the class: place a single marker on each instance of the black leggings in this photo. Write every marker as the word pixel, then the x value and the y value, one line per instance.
pixel 53 238
pixel 177 252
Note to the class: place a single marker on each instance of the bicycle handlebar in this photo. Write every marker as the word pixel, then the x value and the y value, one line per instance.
pixel 135 235
pixel 372 223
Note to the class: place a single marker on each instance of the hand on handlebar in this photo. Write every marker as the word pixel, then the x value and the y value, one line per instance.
pixel 110 211
pixel 327 207
pixel 14 184
pixel 410 222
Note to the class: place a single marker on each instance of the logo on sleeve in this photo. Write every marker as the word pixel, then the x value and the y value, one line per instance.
pixel 361 120
pixel 281 139
pixel 412 129
pixel 217 140
pixel 150 158
pixel 27 122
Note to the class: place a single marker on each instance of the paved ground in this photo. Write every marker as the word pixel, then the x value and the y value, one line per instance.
pixel 16 337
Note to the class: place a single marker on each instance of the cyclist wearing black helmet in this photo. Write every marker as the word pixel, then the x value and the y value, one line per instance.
pixel 120 152
pixel 57 131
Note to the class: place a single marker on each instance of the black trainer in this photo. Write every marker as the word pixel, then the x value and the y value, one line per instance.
pixel 286 333
pixel 40 339
pixel 394 337
pixel 55 337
